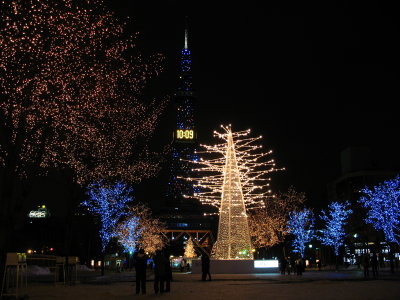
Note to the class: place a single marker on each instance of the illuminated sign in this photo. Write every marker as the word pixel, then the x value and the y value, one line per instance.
pixel 42 212
pixel 185 134
pixel 37 214
pixel 271 263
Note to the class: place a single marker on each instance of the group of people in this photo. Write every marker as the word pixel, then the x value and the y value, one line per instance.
pixel 291 265
pixel 185 266
pixel 162 272
pixel 373 262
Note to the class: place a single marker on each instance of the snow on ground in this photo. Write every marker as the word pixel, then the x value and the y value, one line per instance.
pixel 34 270
pixel 312 285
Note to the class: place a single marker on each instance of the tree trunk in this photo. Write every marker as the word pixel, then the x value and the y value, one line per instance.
pixel 8 213
pixel 72 203
pixel 391 257
pixel 336 263
pixel 102 264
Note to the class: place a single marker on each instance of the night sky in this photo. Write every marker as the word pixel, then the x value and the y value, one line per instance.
pixel 313 79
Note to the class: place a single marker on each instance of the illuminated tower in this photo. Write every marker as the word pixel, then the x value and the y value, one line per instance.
pixel 184 136
pixel 233 176
pixel 233 239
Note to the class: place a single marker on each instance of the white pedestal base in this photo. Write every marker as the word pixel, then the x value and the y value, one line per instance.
pixel 237 266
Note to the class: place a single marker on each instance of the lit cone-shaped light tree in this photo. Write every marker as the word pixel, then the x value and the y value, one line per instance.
pixel 189 250
pixel 234 182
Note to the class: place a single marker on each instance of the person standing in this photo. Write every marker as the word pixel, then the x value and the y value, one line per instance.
pixel 168 277
pixel 374 265
pixel 299 266
pixel 366 265
pixel 292 265
pixel 283 265
pixel 319 264
pixel 140 268
pixel 205 267
pixel 183 265
pixel 160 271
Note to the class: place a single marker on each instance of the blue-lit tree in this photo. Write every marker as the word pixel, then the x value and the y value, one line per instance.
pixel 335 220
pixel 109 203
pixel 139 229
pixel 301 226
pixel 383 205
pixel 129 232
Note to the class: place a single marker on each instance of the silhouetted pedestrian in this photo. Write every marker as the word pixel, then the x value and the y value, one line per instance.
pixel 160 271
pixel 205 267
pixel 381 261
pixel 168 276
pixel 319 264
pixel 391 261
pixel 359 261
pixel 299 266
pixel 374 265
pixel 140 268
pixel 283 265
pixel 183 264
pixel 365 264
pixel 292 265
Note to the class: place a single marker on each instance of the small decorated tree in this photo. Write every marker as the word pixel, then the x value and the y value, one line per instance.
pixel 140 230
pixel 109 203
pixel 335 219
pixel 189 250
pixel 268 226
pixel 383 204
pixel 301 226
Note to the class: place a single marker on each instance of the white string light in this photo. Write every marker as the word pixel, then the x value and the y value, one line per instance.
pixel 233 181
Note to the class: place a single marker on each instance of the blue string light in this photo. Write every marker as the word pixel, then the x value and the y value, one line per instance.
pixel 109 203
pixel 383 204
pixel 131 232
pixel 301 226
pixel 335 219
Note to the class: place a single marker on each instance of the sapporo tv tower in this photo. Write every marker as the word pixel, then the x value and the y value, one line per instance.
pixel 184 138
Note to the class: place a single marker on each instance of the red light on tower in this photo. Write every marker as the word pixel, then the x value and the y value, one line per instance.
pixel 51 249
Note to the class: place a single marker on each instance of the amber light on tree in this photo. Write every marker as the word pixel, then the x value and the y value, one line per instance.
pixel 69 90
pixel 189 249
pixel 268 225
pixel 70 85
pixel 233 176
pixel 140 229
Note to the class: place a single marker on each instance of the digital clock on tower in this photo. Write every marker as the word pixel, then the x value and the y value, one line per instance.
pixel 185 134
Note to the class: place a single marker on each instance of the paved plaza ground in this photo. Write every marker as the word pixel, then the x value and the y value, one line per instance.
pixel 325 284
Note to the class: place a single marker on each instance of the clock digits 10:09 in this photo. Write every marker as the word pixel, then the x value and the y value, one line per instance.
pixel 187 134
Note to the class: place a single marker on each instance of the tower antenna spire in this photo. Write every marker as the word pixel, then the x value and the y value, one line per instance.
pixel 186 32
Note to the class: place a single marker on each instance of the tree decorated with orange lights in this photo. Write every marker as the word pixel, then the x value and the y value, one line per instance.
pixel 70 82
pixel 233 176
pixel 70 92
pixel 189 249
pixel 268 225
pixel 141 230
